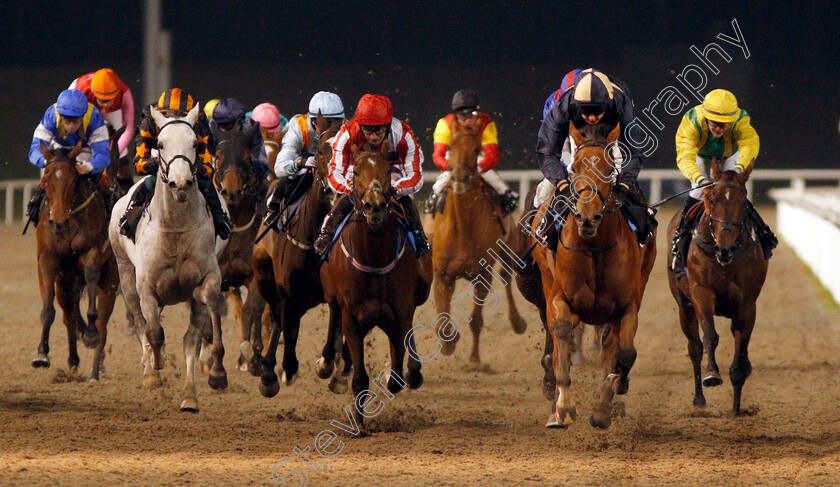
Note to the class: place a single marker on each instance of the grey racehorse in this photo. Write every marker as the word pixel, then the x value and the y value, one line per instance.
pixel 174 259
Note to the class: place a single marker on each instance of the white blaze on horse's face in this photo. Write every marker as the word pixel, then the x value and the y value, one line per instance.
pixel 177 139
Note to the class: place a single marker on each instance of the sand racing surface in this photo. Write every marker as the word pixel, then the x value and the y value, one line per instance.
pixel 465 426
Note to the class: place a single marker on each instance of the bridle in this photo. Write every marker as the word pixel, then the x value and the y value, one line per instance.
pixel 727 224
pixel 358 199
pixel 164 164
pixel 605 199
pixel 249 187
pixel 473 180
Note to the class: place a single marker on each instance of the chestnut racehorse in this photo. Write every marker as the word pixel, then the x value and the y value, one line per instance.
pixel 286 270
pixel 273 143
pixel 470 223
pixel 243 192
pixel 373 277
pixel 598 277
pixel 726 269
pixel 74 253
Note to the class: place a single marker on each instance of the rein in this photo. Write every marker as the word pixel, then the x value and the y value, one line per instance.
pixel 166 164
pixel 709 247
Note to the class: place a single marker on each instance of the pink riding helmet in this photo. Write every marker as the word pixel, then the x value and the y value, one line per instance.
pixel 268 116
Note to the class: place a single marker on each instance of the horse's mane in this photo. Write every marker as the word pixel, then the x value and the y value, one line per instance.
pixel 596 134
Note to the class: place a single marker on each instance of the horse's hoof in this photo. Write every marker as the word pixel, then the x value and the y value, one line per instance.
pixel 217 382
pixel 269 389
pixel 562 419
pixel 41 361
pixel 92 339
pixel 620 385
pixel 699 402
pixel 324 369
pixel 712 379
pixel 600 420
pixel 289 380
pixel 414 379
pixel 339 385
pixel 518 324
pixel 189 405
pixel 242 364
pixel 152 380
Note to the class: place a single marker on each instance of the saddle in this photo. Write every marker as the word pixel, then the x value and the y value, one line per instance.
pixel 291 192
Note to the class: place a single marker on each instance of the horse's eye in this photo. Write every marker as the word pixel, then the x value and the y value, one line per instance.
pixel 160 146
pixel 195 143
pixel 355 174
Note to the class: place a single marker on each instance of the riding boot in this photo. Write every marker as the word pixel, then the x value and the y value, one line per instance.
pixel 324 241
pixel 131 217
pixel 221 220
pixel 765 235
pixel 415 225
pixel 647 221
pixel 33 208
pixel 273 203
pixel 510 201
pixel 682 239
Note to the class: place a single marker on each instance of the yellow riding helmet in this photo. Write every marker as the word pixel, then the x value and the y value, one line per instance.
pixel 720 106
pixel 209 107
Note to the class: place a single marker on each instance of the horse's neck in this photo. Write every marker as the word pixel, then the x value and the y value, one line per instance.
pixel 173 214
pixel 242 211
pixel 314 207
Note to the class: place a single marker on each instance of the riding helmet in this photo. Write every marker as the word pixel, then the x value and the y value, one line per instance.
pixel 71 103
pixel 228 111
pixel 269 117
pixel 105 84
pixel 374 110
pixel 175 99
pixel 593 89
pixel 465 101
pixel 720 106
pixel 328 103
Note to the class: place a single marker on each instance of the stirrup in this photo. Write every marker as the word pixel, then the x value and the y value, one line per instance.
pixel 431 203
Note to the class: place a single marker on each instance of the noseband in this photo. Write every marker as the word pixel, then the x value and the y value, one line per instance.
pixel 249 186
pixel 605 199
pixel 727 224
pixel 166 164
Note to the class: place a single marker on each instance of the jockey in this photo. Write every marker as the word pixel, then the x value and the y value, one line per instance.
pixel 209 107
pixel 374 123
pixel 595 99
pixel 116 104
pixel 715 129
pixel 300 145
pixel 465 111
pixel 229 115
pixel 271 120
pixel 172 103
pixel 67 122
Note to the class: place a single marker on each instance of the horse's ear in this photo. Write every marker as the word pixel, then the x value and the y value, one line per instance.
pixel 45 151
pixel 744 176
pixel 249 135
pixel 159 118
pixel 613 135
pixel 385 148
pixel 76 150
pixel 354 149
pixel 193 115
pixel 320 122
pixel 715 168
pixel 575 134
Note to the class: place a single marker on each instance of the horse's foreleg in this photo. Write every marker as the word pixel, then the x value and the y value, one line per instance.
pixel 626 354
pixel 704 305
pixel 565 412
pixel 67 297
pixel 107 296
pixel 210 295
pixel 235 297
pixel 547 362
pixel 516 322
pixel 741 368
pixel 291 328
pixel 93 274
pixel 269 387
pixel 444 287
pixel 192 344
pixel 602 413
pixel 251 316
pixel 47 269
pixel 479 296
pixel 153 338
pixel 356 343
pixel 688 323
pixel 326 363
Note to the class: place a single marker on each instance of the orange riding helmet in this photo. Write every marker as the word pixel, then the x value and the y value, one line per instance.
pixel 105 84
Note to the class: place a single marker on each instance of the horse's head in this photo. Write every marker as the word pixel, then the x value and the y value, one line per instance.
pixel 464 149
pixel 273 143
pixel 327 128
pixel 234 175
pixel 177 144
pixel 60 177
pixel 372 182
pixel 593 175
pixel 725 203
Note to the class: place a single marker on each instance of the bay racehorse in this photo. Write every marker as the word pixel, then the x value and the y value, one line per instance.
pixel 725 272
pixel 273 144
pixel 373 277
pixel 173 259
pixel 286 270
pixel 243 193
pixel 470 223
pixel 74 254
pixel 598 276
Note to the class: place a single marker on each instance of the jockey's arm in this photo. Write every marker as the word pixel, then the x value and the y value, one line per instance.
pixel 489 148
pixel 411 156
pixel 44 132
pixel 97 138
pixel 687 141
pixel 748 142
pixel 286 164
pixel 553 133
pixel 127 108
pixel 341 163
pixel 442 139
pixel 206 147
pixel 145 141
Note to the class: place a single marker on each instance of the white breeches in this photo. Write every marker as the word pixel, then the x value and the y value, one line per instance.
pixel 727 164
pixel 490 177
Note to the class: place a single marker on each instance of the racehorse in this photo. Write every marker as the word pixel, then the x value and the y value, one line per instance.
pixel 74 253
pixel 273 143
pixel 286 270
pixel 471 222
pixel 174 259
pixel 373 279
pixel 725 271
pixel 598 277
pixel 243 193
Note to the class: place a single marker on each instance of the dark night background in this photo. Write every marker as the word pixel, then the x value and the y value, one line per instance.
pixel 418 53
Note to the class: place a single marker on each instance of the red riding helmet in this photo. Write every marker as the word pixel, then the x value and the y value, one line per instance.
pixel 374 110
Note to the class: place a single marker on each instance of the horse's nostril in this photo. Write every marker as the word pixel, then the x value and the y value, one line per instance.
pixel 172 184
pixel 190 182
pixel 597 218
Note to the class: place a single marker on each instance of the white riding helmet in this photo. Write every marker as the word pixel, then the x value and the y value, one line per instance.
pixel 328 103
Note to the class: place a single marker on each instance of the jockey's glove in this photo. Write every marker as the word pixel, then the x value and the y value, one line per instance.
pixel 84 167
pixel 306 159
pixel 620 193
pixel 563 189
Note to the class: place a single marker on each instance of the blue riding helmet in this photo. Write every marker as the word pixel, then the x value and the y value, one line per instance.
pixel 228 111
pixel 72 103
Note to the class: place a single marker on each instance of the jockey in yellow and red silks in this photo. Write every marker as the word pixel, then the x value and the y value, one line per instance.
pixel 465 111
pixel 718 129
